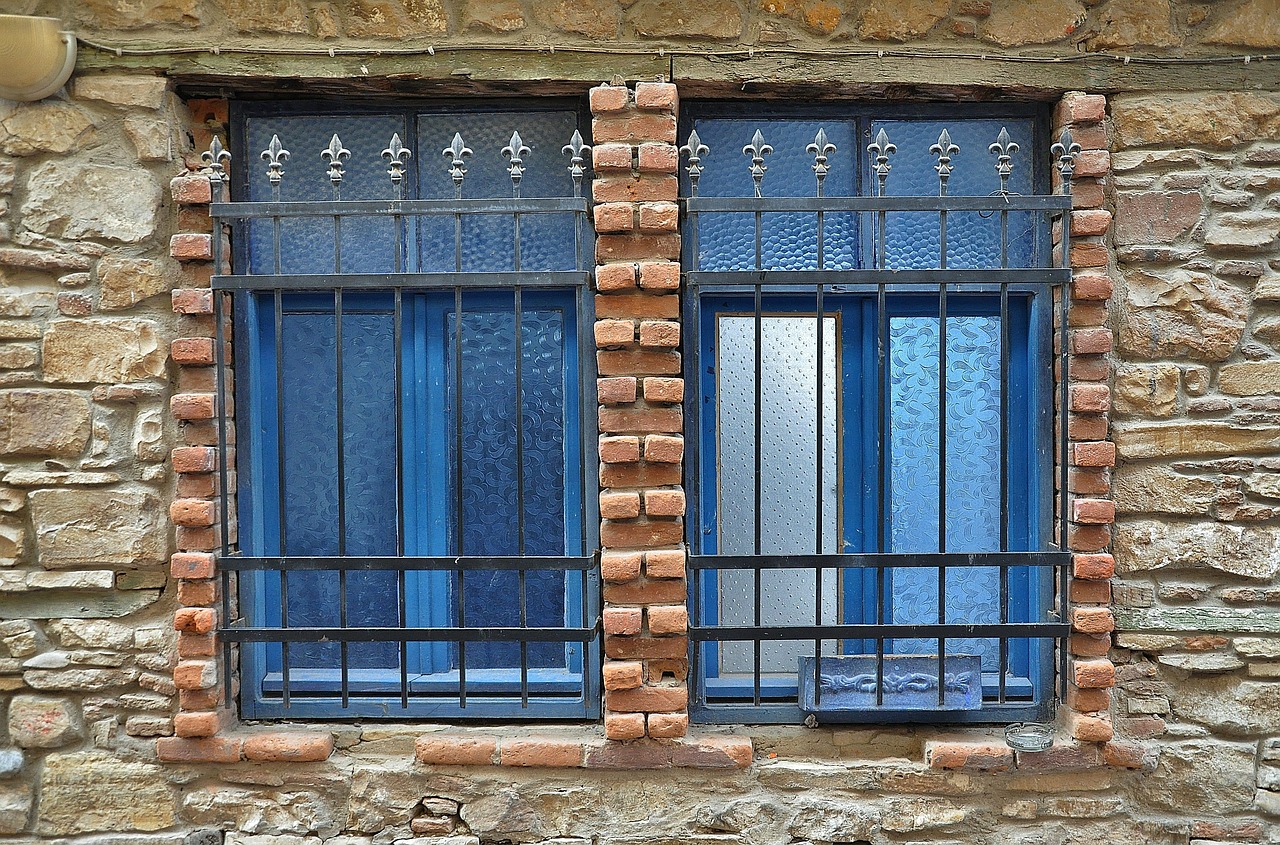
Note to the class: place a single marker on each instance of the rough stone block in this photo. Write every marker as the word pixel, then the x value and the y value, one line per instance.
pixel 98 528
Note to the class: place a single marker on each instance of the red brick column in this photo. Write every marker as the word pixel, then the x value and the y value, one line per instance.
pixel 637 335
pixel 1090 453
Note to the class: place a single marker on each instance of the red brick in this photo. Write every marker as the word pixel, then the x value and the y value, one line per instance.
pixel 664 502
pixel 1090 481
pixel 619 505
pixel 617 450
pixel 195 674
pixel 637 362
pixel 191 189
pixel 639 475
pixel 1087 314
pixel 1093 511
pixel 611 248
pixel 617 390
pixel 1090 728
pixel 662 670
pixel 203 486
pixel 1091 341
pixel 1099 566
pixel 616 420
pixel 1089 368
pixel 660 334
pixel 1060 757
pixel 1127 755
pixel 1093 674
pixel 1079 108
pixel 668 619
pixel 191 247
pixel 629 756
pixel 662 449
pixel 615 217
pixel 197 645
pixel 643 648
pixel 1089 645
pixel 622 621
pixel 1090 222
pixel 969 756
pixel 609 98
pixel 541 752
pixel 1088 255
pixel 638 306
pixel 1088 538
pixel 1092 620
pixel 636 187
pixel 622 726
pixel 289 747
pixel 1090 398
pixel 656 95
pixel 194 620
pixel 634 127
pixel 1088 700
pixel 611 157
pixel 659 275
pixel 197 593
pixel 1093 163
pixel 736 751
pixel 659 217
pixel 668 725
pixel 192 513
pixel 191 565
pixel 1239 830
pixel 197 725
pixel 614 333
pixel 199 699
pixel 657 389
pixel 646 592
pixel 218 749
pixel 618 567
pixel 659 158
pixel 192 301
pixel 665 563
pixel 436 750
pixel 615 277
pixel 193 406
pixel 1145 727
pixel 1090 592
pixel 1096 454
pixel 1088 427
pixel 648 700
pixel 1092 286
pixel 1087 193
pixel 192 351
pixel 623 674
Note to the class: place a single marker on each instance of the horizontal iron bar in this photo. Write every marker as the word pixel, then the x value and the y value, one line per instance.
pixel 879 561
pixel 934 278
pixel 407 635
pixel 384 208
pixel 996 202
pixel 389 281
pixel 408 564
pixel 852 631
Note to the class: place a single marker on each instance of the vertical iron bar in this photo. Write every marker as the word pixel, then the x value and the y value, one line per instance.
pixel 224 466
pixel 758 526
pixel 821 422
pixel 397 331
pixel 1005 354
pixel 457 480
pixel 881 149
pixel 342 491
pixel 521 575
pixel 942 482
pixel 281 504
pixel 1066 167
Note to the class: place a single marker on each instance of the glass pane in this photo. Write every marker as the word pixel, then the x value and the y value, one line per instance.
pixel 788 474
pixel 973 466
pixel 973 239
pixel 726 241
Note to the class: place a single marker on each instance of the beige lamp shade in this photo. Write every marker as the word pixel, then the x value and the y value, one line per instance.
pixel 35 57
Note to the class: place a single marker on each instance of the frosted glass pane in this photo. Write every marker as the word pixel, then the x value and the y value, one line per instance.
pixel 788 474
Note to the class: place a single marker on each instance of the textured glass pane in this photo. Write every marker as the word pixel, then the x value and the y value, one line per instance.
pixel 488 241
pixel 788 474
pixel 307 245
pixel 973 240
pixel 310 483
pixel 973 465
pixel 492 476
pixel 726 241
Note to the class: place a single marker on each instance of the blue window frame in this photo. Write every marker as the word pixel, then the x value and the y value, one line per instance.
pixel 392 421
pixel 809 446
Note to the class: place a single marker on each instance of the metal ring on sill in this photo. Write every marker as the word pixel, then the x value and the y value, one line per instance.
pixel 1028 736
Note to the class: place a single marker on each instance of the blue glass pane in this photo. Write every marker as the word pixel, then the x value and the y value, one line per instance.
pixel 973 240
pixel 493 475
pixel 726 241
pixel 973 467
pixel 487 242
pixel 307 245
pixel 310 483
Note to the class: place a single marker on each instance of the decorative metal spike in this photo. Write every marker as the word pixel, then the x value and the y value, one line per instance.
pixel 515 151
pixel 880 150
pixel 695 150
pixel 335 155
pixel 944 150
pixel 275 156
pixel 216 159
pixel 576 150
pixel 1003 149
pixel 397 156
pixel 757 150
pixel 820 149
pixel 1066 151
pixel 456 152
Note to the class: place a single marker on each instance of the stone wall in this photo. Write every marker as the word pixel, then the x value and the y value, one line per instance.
pixel 100 304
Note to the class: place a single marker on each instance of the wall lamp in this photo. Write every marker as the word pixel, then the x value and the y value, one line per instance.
pixel 36 58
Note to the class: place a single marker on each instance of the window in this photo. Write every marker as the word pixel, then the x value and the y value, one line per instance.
pixel 871 335
pixel 415 534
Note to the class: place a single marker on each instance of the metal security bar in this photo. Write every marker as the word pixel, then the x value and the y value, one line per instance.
pixel 850 670
pixel 404 610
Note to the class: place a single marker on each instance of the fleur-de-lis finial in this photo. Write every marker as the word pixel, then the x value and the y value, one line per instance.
pixel 397 156
pixel 820 149
pixel 335 154
pixel 695 150
pixel 515 151
pixel 757 150
pixel 456 152
pixel 944 150
pixel 216 159
pixel 576 150
pixel 1003 149
pixel 880 150
pixel 275 156
pixel 1065 151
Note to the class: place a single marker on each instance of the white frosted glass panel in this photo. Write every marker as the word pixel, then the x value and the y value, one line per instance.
pixel 788 475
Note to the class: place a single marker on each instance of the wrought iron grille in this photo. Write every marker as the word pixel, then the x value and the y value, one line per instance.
pixel 804 572
pixel 446 352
